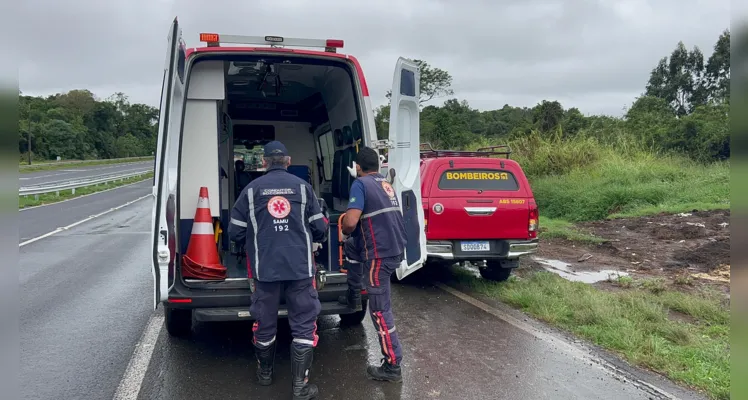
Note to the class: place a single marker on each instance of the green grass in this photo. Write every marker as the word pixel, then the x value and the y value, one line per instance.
pixel 49 166
pixel 30 201
pixel 559 229
pixel 636 323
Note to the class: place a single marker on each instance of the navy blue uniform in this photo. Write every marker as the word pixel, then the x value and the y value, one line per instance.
pixel 379 239
pixel 278 217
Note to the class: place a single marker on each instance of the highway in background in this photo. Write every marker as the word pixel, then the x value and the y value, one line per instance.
pixel 77 172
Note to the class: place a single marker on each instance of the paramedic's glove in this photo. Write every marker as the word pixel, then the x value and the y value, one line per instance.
pixel 352 169
pixel 316 247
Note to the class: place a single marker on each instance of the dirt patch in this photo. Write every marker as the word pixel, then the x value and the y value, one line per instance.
pixel 670 246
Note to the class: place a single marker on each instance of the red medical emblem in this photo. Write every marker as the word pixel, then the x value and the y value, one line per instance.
pixel 279 207
pixel 388 189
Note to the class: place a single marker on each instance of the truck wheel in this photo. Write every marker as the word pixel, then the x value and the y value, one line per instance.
pixel 495 273
pixel 178 322
pixel 357 317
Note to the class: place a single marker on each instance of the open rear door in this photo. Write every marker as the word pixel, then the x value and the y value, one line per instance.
pixel 165 175
pixel 404 158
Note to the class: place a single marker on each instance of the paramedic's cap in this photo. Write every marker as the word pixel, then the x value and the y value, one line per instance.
pixel 275 148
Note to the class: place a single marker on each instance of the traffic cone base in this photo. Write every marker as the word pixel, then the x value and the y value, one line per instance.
pixel 201 260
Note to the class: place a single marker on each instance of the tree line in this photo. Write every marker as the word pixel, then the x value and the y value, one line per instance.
pixel 684 108
pixel 76 126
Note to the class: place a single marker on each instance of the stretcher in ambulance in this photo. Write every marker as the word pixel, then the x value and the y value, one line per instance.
pixel 219 105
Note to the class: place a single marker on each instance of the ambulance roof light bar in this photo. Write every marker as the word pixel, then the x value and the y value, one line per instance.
pixel 214 39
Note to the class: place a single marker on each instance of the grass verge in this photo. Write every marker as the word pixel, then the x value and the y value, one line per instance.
pixel 559 229
pixel 30 201
pixel 685 336
pixel 50 166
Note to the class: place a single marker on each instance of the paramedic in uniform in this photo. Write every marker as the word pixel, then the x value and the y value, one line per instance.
pixel 374 222
pixel 278 217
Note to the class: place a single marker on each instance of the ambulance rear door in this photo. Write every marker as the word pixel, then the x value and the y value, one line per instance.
pixel 404 158
pixel 164 219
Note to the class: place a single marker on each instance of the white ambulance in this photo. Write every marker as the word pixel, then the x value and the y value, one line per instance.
pixel 219 105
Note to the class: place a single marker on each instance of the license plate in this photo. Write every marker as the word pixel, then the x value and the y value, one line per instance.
pixel 475 246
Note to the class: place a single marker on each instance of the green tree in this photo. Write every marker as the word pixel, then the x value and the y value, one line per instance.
pixel 679 79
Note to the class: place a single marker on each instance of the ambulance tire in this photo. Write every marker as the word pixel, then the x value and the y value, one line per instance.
pixel 178 321
pixel 357 317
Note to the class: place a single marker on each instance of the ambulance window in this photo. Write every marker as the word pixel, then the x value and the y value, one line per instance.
pixel 327 151
pixel 181 62
pixel 478 179
pixel 407 83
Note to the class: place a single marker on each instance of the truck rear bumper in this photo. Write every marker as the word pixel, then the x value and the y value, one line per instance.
pixel 500 249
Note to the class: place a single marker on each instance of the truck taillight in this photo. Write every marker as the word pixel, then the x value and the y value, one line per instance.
pixel 426 212
pixel 532 225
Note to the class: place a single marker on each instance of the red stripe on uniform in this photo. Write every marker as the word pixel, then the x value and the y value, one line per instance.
pixel 382 339
pixel 387 337
pixel 376 271
pixel 373 239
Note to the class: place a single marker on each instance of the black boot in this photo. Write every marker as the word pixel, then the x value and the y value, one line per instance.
pixel 385 372
pixel 265 360
pixel 352 299
pixel 301 362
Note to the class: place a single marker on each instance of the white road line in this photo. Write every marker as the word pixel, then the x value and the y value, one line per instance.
pixel 573 350
pixel 64 228
pixel 80 197
pixel 129 386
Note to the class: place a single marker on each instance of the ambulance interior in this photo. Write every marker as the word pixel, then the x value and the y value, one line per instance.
pixel 309 104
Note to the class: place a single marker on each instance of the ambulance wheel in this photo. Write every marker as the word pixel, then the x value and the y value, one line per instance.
pixel 357 317
pixel 178 322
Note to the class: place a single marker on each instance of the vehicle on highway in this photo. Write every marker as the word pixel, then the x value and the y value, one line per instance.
pixel 477 208
pixel 217 99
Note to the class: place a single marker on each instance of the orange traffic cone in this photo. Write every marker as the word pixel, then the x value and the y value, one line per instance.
pixel 201 260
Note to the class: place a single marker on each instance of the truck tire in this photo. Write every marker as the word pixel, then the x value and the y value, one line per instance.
pixel 357 317
pixel 178 322
pixel 495 273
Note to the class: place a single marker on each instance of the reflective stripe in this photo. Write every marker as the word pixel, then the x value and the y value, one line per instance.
pixel 304 341
pixel 202 202
pixel 316 217
pixel 238 223
pixel 382 211
pixel 266 344
pixel 202 228
pixel 306 230
pixel 388 332
pixel 251 198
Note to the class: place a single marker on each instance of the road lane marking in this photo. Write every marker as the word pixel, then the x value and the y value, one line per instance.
pixel 64 228
pixel 573 350
pixel 80 197
pixel 132 380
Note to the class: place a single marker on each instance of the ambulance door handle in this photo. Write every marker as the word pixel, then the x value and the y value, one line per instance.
pixel 163 235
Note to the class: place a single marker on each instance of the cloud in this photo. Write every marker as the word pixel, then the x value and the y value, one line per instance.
pixel 592 54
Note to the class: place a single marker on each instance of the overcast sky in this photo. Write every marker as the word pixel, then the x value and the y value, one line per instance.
pixel 592 54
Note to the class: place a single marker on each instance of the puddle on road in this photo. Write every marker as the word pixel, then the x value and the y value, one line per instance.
pixel 566 271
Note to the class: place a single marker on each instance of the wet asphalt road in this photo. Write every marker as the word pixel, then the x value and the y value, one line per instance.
pixel 86 299
pixel 40 220
pixel 74 172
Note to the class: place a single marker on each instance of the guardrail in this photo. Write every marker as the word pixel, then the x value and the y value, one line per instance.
pixel 57 187
pixel 73 162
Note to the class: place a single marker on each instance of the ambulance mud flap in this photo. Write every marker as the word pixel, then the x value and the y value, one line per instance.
pixel 404 158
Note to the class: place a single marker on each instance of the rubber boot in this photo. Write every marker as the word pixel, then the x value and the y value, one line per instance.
pixel 265 360
pixel 301 362
pixel 385 372
pixel 352 299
